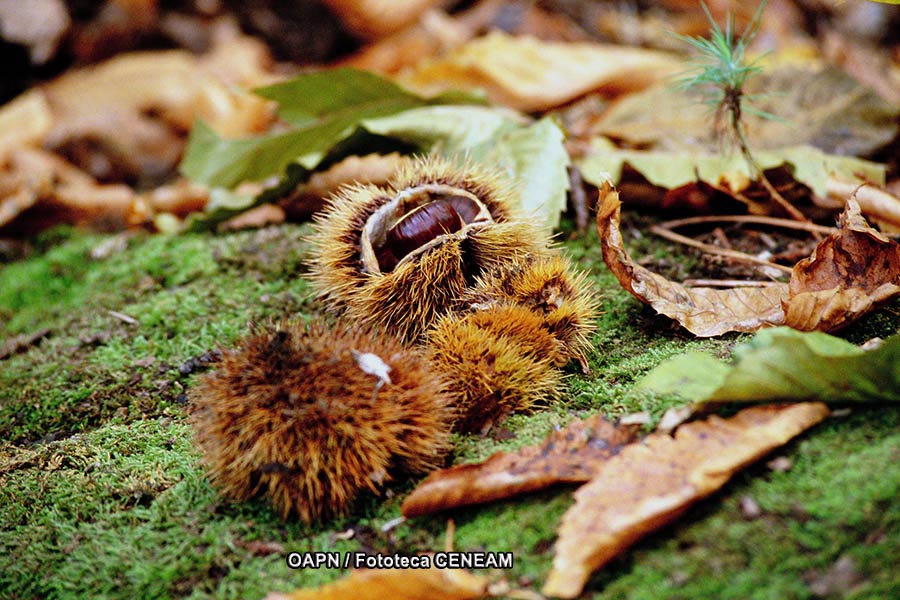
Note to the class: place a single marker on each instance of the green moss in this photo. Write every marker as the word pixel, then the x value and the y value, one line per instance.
pixel 187 294
pixel 123 509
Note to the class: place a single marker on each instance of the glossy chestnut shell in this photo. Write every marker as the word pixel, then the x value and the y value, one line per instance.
pixel 416 220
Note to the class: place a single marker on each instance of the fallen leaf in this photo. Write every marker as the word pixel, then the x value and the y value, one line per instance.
pixel 703 311
pixel 371 19
pixel 849 272
pixel 532 75
pixel 39 189
pixel 649 484
pixel 132 110
pixel 571 455
pixel 434 34
pixel 259 216
pixel 673 169
pixel 820 107
pixel 782 364
pixel 324 108
pixel 24 121
pixel 531 154
pixel 399 584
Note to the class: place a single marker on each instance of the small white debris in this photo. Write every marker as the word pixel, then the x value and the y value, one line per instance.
pixel 373 365
pixel 873 344
pixel 392 524
pixel 675 417
pixel 638 418
pixel 780 464
pixel 750 508
pixel 123 317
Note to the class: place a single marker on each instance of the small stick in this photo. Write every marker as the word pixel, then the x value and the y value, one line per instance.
pixel 728 283
pixel 123 317
pixel 755 219
pixel 710 249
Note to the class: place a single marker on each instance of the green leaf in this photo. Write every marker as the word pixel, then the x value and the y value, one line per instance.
pixel 331 109
pixel 808 165
pixel 449 130
pixel 337 93
pixel 218 162
pixel 539 163
pixel 324 108
pixel 784 364
pixel 531 154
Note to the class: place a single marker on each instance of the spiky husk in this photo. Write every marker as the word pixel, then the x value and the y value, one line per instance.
pixel 292 415
pixel 496 361
pixel 407 300
pixel 549 285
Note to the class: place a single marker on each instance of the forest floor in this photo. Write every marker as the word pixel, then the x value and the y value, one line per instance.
pixel 102 493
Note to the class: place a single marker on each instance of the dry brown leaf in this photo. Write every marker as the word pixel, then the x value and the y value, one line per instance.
pixel 24 121
pixel 46 190
pixel 180 198
pixel 397 584
pixel 704 311
pixel 533 75
pixel 848 273
pixel 126 118
pixel 571 455
pixel 649 484
pixel 434 34
pixel 373 19
pixel 258 216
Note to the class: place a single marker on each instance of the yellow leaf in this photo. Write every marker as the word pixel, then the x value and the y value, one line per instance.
pixel 533 75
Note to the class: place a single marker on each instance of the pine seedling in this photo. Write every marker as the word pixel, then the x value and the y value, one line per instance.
pixel 720 73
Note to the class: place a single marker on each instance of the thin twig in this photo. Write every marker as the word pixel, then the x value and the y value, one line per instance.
pixel 123 317
pixel 710 249
pixel 737 127
pixel 755 219
pixel 728 283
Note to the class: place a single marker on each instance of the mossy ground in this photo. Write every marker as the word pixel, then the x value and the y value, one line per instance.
pixel 101 493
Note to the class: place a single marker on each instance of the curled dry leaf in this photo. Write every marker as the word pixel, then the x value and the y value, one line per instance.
pixel 533 75
pixel 571 455
pixel 848 273
pixel 649 484
pixel 703 311
pixel 399 584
